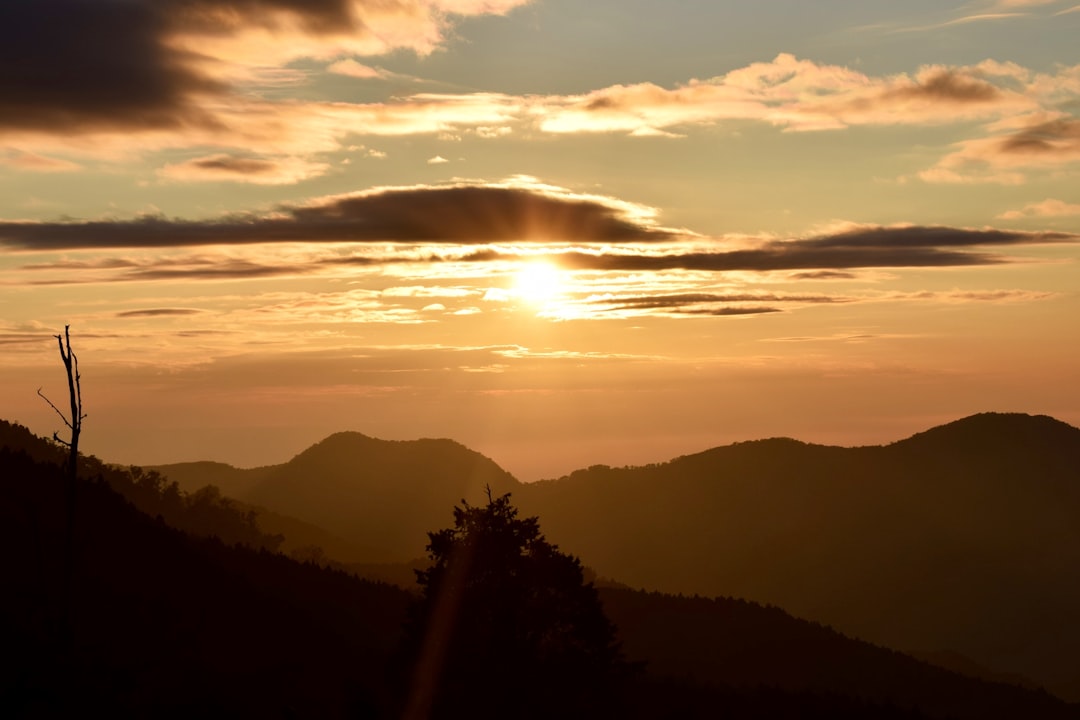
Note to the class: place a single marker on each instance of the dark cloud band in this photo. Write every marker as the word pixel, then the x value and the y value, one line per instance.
pixel 464 214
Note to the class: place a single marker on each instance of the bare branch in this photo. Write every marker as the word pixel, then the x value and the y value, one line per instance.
pixel 56 409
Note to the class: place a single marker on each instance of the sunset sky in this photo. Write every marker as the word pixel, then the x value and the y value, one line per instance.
pixel 559 232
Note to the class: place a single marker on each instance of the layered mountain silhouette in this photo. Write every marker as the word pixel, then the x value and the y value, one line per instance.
pixel 962 539
pixel 165 624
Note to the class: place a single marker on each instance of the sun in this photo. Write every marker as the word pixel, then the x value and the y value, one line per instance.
pixel 538 283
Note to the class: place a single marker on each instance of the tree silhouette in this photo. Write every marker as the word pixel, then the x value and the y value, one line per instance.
pixel 506 626
pixel 74 423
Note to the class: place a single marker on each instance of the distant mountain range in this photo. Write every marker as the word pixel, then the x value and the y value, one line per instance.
pixel 965 537
pixel 165 624
pixel 961 539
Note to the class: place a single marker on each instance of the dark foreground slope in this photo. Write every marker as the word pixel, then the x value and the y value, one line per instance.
pixel 166 625
pixel 743 644
pixel 963 538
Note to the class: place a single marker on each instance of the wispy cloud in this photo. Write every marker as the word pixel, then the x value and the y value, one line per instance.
pixel 716 304
pixel 235 168
pixel 35 162
pixel 1045 209
pixel 158 312
pixel 351 68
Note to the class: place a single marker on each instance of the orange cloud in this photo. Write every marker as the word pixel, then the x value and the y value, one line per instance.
pixel 1040 144
pixel 798 95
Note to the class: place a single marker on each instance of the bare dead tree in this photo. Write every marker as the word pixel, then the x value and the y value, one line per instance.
pixel 71 364
pixel 74 423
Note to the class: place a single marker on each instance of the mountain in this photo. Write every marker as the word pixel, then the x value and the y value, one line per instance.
pixel 964 538
pixel 381 496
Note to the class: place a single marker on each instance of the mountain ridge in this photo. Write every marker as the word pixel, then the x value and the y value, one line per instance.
pixel 152 641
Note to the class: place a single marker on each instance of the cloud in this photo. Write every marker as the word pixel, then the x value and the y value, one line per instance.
pixel 234 168
pixel 462 223
pixel 1038 144
pixel 717 304
pixel 36 163
pixel 437 160
pixel 72 67
pixel 158 312
pixel 856 247
pixel 26 338
pixel 175 270
pixel 119 77
pixel 823 275
pixel 78 75
pixel 1023 3
pixel 351 68
pixel 981 17
pixel 795 94
pixel 250 124
pixel 514 211
pixel 1046 208
pixel 1053 138
pixel 946 85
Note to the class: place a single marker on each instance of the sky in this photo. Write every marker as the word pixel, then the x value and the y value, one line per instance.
pixel 562 233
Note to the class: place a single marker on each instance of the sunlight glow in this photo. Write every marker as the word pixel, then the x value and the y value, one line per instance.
pixel 538 283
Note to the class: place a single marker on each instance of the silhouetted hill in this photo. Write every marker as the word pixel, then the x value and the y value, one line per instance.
pixel 301 539
pixel 1041 436
pixel 963 538
pixel 202 512
pixel 381 496
pixel 233 482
